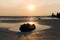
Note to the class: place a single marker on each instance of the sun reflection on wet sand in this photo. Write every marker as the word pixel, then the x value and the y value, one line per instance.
pixel 38 26
pixel 30 22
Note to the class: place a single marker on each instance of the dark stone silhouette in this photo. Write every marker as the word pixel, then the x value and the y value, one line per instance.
pixel 58 15
pixel 53 15
pixel 27 27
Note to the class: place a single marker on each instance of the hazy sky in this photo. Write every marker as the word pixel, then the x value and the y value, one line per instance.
pixel 19 7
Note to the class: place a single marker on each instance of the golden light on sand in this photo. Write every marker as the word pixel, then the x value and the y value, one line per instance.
pixel 31 7
pixel 31 23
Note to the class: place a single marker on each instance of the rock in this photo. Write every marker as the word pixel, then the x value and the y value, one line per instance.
pixel 27 27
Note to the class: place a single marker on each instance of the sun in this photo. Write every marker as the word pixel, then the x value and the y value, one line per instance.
pixel 31 7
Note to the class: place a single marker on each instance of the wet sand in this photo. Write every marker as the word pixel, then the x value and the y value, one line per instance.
pixel 52 33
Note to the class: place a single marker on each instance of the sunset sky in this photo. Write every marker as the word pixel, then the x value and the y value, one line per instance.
pixel 22 8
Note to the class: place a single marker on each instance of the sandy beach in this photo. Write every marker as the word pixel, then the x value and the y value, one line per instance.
pixel 52 33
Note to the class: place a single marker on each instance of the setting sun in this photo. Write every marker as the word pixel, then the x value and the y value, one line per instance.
pixel 31 7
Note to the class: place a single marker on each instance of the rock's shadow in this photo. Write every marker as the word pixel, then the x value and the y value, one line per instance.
pixel 6 34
